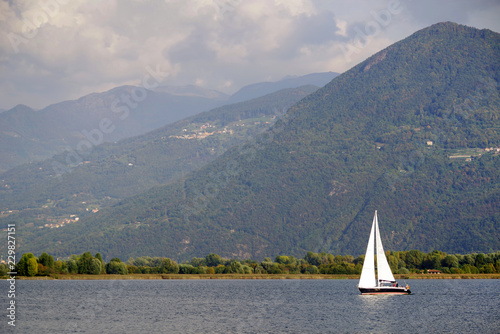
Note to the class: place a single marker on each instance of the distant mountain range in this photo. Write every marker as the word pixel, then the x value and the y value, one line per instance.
pixel 260 89
pixel 192 90
pixel 27 135
pixel 412 132
pixel 112 172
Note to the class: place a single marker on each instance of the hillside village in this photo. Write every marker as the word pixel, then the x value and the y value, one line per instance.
pixel 61 223
pixel 202 132
pixel 197 131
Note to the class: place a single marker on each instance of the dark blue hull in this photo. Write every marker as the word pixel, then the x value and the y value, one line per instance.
pixel 387 290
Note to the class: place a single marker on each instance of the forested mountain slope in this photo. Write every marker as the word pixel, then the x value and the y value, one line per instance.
pixel 403 132
pixel 51 191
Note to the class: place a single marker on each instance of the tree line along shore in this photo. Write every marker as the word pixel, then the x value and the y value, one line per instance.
pixel 404 264
pixel 242 276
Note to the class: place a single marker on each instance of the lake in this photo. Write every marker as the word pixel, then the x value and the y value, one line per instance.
pixel 250 306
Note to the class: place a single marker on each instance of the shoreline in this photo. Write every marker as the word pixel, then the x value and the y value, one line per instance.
pixel 244 276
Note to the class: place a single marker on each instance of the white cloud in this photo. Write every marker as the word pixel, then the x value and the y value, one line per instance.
pixel 66 49
pixel 342 26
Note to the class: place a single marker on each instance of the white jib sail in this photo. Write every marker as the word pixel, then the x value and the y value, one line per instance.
pixel 383 270
pixel 367 279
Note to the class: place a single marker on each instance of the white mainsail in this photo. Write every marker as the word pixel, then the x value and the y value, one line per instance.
pixel 367 279
pixel 384 273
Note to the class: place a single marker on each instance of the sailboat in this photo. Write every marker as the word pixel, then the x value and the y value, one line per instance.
pixel 383 282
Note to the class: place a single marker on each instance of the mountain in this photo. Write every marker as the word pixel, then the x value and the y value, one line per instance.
pixel 411 132
pixel 18 128
pixel 192 90
pixel 27 135
pixel 51 191
pixel 259 89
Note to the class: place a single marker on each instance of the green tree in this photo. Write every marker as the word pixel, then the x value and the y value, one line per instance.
pixel 414 258
pixel 469 259
pixel 469 269
pixel 132 269
pixel 46 260
pixel 32 267
pixel 220 269
pixel 95 267
pixel 247 269
pixel 213 260
pixel 72 266
pixel 361 259
pixel 59 266
pixel 312 270
pixel 267 265
pixel 168 266
pixel 99 257
pixel 115 266
pixel 186 268
pixel 487 269
pixel 22 266
pixel 3 269
pixel 403 271
pixel 140 261
pixel 260 270
pixel 312 259
pixel 282 259
pixel 235 267
pixel 393 263
pixel 275 269
pixel 84 263
pixel 432 261
pixel 480 260
pixel 198 262
pixel 450 261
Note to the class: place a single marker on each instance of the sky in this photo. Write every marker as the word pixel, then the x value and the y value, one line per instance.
pixel 56 50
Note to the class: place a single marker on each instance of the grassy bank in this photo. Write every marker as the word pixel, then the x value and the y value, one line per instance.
pixel 248 276
pixel 448 276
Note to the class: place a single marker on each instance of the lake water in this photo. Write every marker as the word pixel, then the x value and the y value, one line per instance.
pixel 250 306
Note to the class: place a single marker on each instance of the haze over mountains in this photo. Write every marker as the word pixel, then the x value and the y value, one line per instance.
pixel 27 135
pixel 111 172
pixel 259 89
pixel 403 132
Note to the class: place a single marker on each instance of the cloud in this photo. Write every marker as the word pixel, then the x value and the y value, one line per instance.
pixel 56 50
